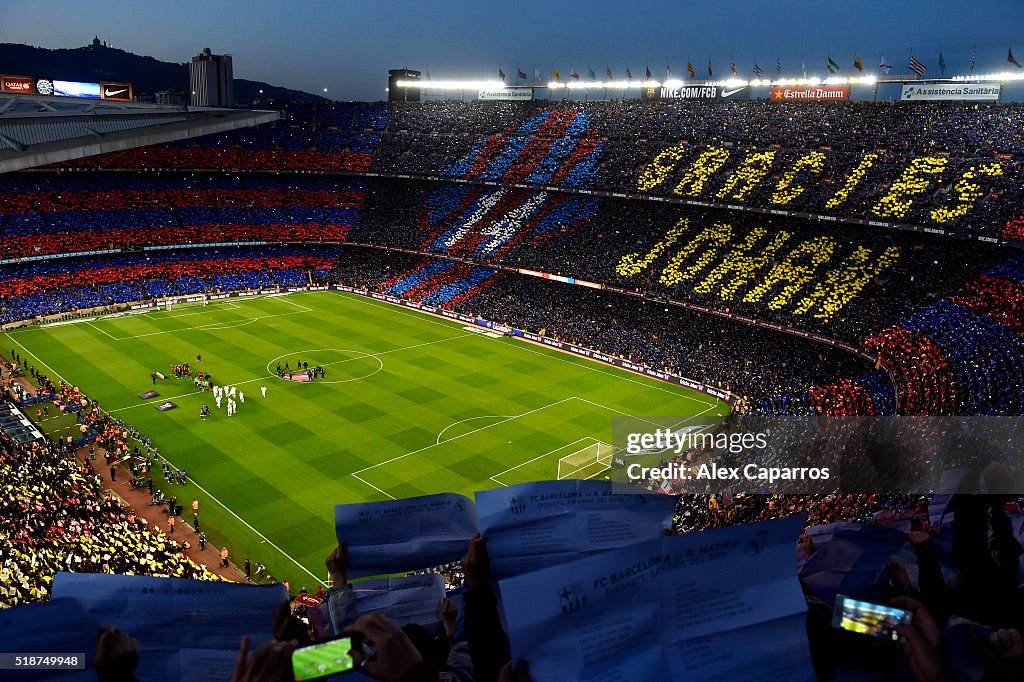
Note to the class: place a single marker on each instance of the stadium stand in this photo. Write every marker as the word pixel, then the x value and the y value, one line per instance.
pixel 933 165
pixel 937 321
pixel 312 137
pixel 57 517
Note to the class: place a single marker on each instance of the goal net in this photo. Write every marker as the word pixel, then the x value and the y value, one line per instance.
pixel 586 462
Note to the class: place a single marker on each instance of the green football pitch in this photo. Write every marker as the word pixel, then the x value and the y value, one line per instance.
pixel 411 404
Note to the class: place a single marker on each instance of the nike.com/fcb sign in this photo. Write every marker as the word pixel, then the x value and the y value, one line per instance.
pixel 705 92
pixel 824 93
pixel 118 92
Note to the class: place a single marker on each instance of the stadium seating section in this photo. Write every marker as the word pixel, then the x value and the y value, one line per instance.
pixel 525 198
pixel 523 186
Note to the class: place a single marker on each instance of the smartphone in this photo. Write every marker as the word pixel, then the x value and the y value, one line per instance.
pixel 870 619
pixel 323 659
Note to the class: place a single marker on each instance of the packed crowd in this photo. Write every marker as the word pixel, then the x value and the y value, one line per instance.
pixel 959 579
pixel 947 321
pixel 770 264
pixel 847 159
pixel 327 136
pixel 56 516
pixel 710 350
pixel 47 213
pixel 45 288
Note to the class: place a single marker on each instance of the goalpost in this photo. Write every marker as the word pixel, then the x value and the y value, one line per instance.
pixel 586 462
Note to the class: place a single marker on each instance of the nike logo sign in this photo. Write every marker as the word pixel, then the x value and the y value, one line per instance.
pixel 111 93
pixel 730 93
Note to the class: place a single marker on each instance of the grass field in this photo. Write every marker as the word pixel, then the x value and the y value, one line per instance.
pixel 411 404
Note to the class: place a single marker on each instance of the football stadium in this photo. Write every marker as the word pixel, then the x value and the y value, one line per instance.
pixel 608 373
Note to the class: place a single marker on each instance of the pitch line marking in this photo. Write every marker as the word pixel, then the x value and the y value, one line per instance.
pixel 462 421
pixel 101 330
pixel 211 326
pixel 38 359
pixel 375 487
pixel 229 511
pixel 264 378
pixel 534 459
pixel 192 304
pixel 592 366
pixel 246 524
pixel 596 440
pixel 363 354
pixel 462 435
pixel 588 364
pixel 297 305
pixel 422 315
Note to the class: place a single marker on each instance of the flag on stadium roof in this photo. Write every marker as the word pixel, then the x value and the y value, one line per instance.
pixel 883 66
pixel 778 67
pixel 916 66
pixel 554 74
pixel 857 63
pixel 593 76
pixel 573 75
pixel 732 68
pixel 831 65
pixel 758 71
pixel 501 73
pixel 668 71
pixel 629 74
pixel 647 74
pixel 709 66
pixel 608 73
pixel 1010 58
pixel 803 67
pixel 973 50
pixel 536 73
pixel 689 70
pixel 428 73
pixel 942 63
pixel 520 74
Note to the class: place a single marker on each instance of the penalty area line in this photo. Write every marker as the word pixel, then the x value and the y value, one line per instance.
pixel 375 487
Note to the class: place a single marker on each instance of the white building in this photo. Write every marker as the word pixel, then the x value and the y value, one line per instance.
pixel 211 80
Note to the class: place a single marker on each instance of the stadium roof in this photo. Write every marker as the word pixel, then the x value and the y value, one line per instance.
pixel 37 130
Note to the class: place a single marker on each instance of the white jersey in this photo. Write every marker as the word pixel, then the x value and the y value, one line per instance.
pixel 263 390
pixel 241 397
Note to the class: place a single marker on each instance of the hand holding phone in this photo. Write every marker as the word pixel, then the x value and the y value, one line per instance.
pixel 323 659
pixel 866 618
pixel 385 652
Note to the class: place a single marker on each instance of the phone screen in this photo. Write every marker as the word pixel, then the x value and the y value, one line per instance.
pixel 321 660
pixel 870 619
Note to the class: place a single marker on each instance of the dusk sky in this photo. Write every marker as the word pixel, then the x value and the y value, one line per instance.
pixel 347 46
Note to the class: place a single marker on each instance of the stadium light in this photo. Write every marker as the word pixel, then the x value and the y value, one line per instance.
pixel 806 81
pixel 453 84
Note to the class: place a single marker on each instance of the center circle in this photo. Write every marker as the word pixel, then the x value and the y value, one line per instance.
pixel 341 365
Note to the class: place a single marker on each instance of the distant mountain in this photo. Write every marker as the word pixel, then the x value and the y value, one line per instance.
pixel 97 62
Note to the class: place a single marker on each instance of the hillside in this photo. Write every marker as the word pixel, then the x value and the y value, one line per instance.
pixel 95 63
